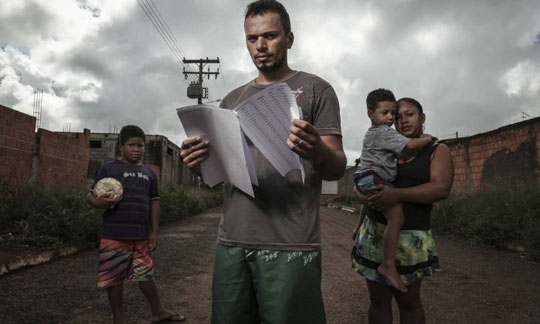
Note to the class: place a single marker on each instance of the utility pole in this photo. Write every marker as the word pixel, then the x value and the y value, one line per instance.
pixel 195 89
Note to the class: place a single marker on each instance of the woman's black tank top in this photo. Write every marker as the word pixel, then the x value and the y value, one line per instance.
pixel 410 174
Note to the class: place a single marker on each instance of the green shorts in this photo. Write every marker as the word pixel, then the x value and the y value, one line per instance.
pixel 261 286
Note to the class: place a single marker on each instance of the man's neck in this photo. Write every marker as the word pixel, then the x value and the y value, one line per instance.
pixel 266 78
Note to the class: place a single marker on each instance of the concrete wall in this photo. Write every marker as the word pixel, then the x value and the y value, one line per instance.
pixel 16 146
pixel 346 183
pixel 160 154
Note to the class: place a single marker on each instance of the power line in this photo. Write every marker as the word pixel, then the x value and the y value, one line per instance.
pixel 162 28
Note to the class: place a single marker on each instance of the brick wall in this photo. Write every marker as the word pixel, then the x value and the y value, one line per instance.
pixel 16 144
pixel 51 160
pixel 63 160
pixel 509 155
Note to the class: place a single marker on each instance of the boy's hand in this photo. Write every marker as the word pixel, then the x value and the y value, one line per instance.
pixel 152 241
pixel 103 202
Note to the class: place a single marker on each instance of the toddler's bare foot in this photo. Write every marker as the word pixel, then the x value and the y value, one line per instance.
pixel 392 275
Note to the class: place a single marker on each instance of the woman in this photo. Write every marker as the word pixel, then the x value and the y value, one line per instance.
pixel 420 181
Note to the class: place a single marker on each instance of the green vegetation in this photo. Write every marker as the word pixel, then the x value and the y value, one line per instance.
pixel 53 219
pixel 492 215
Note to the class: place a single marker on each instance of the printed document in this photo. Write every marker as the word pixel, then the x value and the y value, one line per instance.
pixel 265 118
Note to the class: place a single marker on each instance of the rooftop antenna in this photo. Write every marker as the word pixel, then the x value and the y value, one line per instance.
pixel 524 115
pixel 38 106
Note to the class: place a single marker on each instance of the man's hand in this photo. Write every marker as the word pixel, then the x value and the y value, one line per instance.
pixel 193 151
pixel 304 140
pixel 152 241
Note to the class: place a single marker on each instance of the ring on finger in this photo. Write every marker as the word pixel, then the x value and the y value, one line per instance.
pixel 299 142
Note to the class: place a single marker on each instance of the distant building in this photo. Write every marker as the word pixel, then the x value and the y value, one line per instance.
pixel 160 154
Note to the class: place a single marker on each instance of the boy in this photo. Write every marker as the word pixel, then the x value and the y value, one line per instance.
pixel 129 228
pixel 382 145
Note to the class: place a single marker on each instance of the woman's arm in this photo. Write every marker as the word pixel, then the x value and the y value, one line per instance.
pixel 441 178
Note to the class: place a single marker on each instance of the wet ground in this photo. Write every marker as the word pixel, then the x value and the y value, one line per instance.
pixel 477 285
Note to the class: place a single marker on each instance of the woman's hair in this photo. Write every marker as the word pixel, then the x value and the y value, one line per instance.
pixel 261 7
pixel 130 131
pixel 413 102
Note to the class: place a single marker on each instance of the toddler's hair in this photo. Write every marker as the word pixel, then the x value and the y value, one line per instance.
pixel 379 95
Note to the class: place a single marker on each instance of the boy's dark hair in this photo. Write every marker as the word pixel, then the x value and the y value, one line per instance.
pixel 379 95
pixel 260 7
pixel 412 102
pixel 130 131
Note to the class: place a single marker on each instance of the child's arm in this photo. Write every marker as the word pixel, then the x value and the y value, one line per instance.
pixel 154 212
pixel 102 202
pixel 415 145
pixel 363 213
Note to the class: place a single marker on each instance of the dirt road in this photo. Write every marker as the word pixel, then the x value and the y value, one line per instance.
pixel 477 285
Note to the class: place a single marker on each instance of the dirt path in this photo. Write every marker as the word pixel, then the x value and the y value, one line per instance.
pixel 477 286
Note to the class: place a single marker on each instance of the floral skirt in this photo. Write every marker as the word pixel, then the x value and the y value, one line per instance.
pixel 416 256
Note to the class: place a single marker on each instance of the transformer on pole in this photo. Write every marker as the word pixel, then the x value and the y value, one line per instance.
pixel 195 89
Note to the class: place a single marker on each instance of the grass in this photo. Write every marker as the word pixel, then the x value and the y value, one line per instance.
pixel 492 215
pixel 52 219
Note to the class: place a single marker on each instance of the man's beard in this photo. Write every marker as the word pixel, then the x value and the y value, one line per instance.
pixel 271 67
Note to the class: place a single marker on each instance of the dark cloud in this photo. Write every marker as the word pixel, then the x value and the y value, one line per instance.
pixel 472 64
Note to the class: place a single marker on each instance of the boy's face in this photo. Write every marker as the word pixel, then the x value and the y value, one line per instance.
pixel 384 114
pixel 133 150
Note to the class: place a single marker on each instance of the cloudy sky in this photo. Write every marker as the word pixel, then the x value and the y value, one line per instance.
pixel 473 64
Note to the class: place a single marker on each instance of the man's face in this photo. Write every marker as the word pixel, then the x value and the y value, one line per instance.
pixel 266 41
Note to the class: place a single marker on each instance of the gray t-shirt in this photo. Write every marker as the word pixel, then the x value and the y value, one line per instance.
pixel 284 215
pixel 382 144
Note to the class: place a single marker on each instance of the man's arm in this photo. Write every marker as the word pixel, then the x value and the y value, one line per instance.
pixel 325 152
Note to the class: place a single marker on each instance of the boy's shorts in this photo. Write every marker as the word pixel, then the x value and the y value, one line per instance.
pixel 368 181
pixel 119 259
pixel 262 286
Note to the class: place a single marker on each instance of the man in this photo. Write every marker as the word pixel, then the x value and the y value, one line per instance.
pixel 268 261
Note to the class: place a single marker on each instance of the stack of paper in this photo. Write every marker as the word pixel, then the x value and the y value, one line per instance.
pixel 264 118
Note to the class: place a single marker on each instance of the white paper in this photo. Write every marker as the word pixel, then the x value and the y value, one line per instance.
pixel 266 119
pixel 228 149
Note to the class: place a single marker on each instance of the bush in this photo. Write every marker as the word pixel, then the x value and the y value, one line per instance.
pixel 176 202
pixel 492 215
pixel 53 219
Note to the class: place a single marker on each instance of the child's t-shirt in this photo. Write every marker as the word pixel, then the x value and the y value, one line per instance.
pixel 130 218
pixel 382 144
